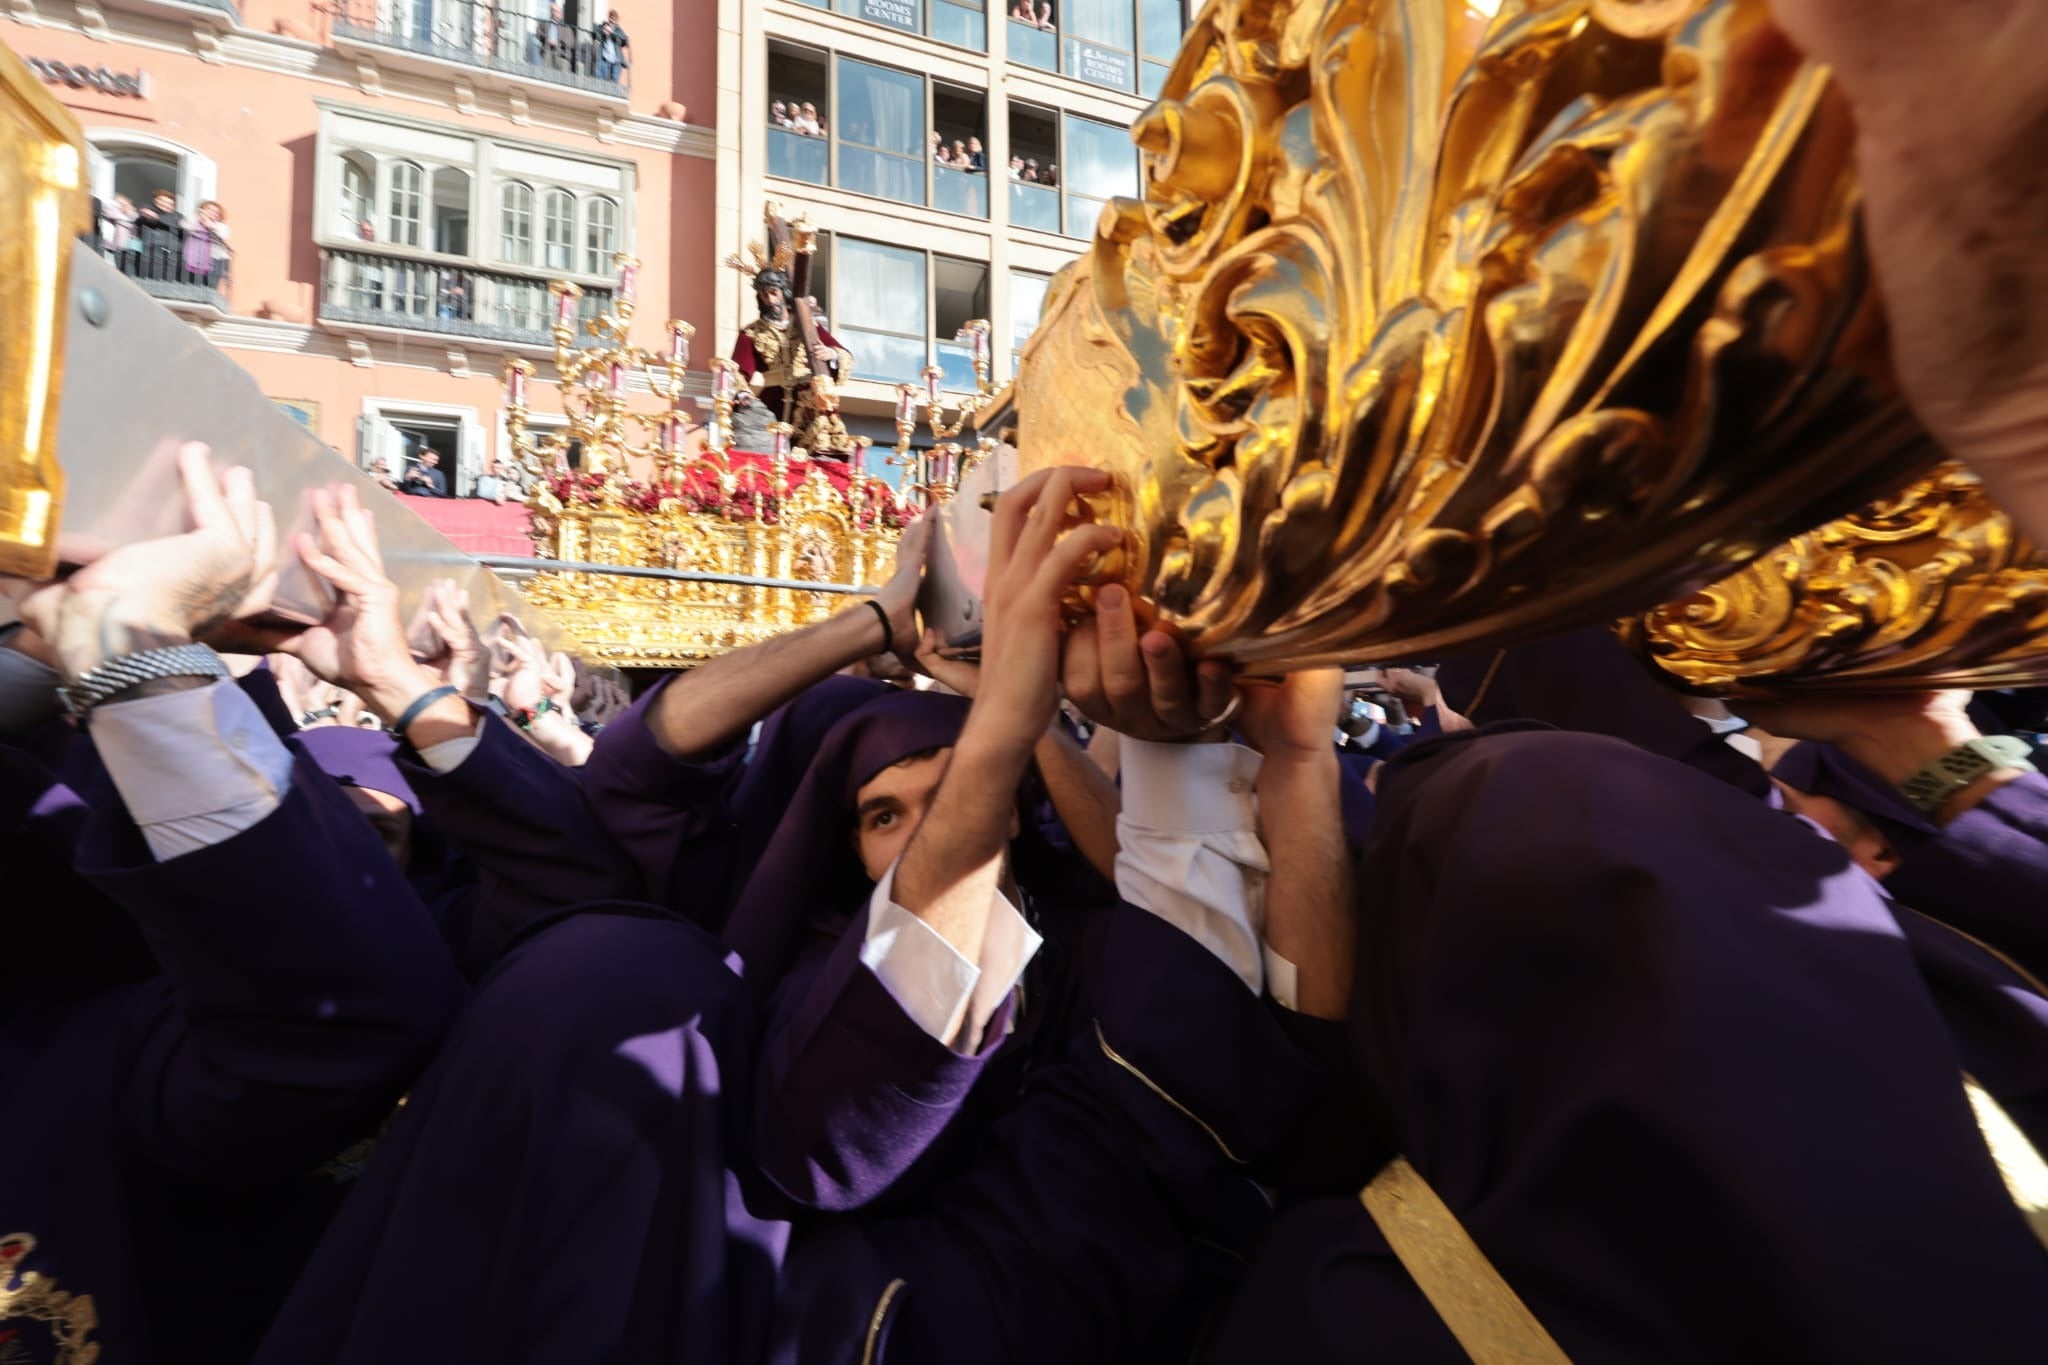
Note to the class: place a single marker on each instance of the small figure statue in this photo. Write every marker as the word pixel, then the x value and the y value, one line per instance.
pixel 771 352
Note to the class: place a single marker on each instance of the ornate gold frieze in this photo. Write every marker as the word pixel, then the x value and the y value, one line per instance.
pixel 44 205
pixel 1930 588
pixel 720 515
pixel 1433 331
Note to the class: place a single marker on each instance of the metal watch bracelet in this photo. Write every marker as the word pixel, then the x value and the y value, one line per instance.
pixel 106 681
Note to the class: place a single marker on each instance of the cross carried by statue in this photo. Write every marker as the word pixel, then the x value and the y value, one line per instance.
pixel 784 351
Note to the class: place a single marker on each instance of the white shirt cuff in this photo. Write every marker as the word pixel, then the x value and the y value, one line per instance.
pixel 28 691
pixel 195 768
pixel 447 756
pixel 1283 980
pixel 1189 788
pixel 944 993
pixel 1189 850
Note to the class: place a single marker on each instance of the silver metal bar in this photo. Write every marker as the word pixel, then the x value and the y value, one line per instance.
pixel 676 575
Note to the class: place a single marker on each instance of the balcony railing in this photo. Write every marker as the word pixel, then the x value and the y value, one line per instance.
pixel 797 156
pixel 1034 46
pixel 170 263
pixel 488 36
pixel 1034 206
pixel 370 289
pixel 955 191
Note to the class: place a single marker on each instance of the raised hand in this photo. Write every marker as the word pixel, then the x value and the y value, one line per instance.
pixel 456 649
pixel 1949 127
pixel 361 645
pixel 956 674
pixel 1295 718
pixel 1037 547
pixel 171 590
pixel 1140 683
pixel 898 597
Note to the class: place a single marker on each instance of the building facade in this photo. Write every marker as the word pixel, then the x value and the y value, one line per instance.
pixel 367 198
pixel 397 180
pixel 837 109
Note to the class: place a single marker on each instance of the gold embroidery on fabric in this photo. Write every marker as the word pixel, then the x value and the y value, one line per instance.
pixel 28 1296
pixel 349 1164
pixel 867 1355
pixel 1153 1086
pixel 1483 1312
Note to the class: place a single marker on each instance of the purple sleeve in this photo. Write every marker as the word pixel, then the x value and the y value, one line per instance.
pixel 852 1092
pixel 310 986
pixel 1986 873
pixel 652 805
pixel 1068 1236
pixel 522 819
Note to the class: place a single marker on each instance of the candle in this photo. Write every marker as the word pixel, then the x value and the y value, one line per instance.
pixel 931 385
pixel 673 434
pixel 714 435
pixel 618 377
pixel 978 334
pixel 945 478
pixel 515 384
pixel 565 305
pixel 679 342
pixel 629 271
pixel 724 381
pixel 859 462
pixel 906 405
pixel 781 430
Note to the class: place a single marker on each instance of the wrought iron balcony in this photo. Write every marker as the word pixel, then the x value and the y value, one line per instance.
pixel 170 264
pixel 489 37
pixel 376 289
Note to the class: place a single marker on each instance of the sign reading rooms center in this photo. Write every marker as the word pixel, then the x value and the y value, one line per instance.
pixel 1102 65
pixel 901 14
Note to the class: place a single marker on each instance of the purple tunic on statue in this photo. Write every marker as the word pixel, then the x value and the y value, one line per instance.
pixel 1690 1081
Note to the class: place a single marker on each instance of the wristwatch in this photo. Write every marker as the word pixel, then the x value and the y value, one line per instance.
pixel 1931 788
pixel 115 676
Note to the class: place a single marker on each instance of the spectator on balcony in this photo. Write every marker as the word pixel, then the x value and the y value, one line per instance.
pixel 1023 13
pixel 1030 176
pixel 1017 168
pixel 117 231
pixel 162 231
pixel 425 478
pixel 941 154
pixel 206 246
pixel 453 299
pixel 959 158
pixel 500 485
pixel 614 49
pixel 778 115
pixel 1045 15
pixel 554 42
pixel 977 160
pixel 1050 176
pixel 807 121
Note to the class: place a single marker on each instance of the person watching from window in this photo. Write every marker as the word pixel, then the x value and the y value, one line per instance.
pixel 425 478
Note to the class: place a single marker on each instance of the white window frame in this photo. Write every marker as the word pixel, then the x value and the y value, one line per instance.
pixel 469 460
pixel 593 265
pixel 550 197
pixel 506 216
pixel 198 176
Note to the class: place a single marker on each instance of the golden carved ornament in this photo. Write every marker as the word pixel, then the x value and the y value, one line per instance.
pixel 1435 332
pixel 1930 588
pixel 43 204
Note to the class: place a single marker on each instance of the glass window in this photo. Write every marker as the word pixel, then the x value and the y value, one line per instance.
pixel 793 156
pixel 881 132
pixel 1027 305
pixel 906 16
pixel 358 195
pixel 959 296
pixel 402 223
pixel 558 221
pixel 451 211
pixel 880 309
pixel 1100 41
pixel 961 25
pixel 1163 22
pixel 600 235
pixel 515 223
pixel 1031 45
pixel 1100 164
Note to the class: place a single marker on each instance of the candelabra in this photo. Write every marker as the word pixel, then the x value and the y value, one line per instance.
pixel 593 384
pixel 934 475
